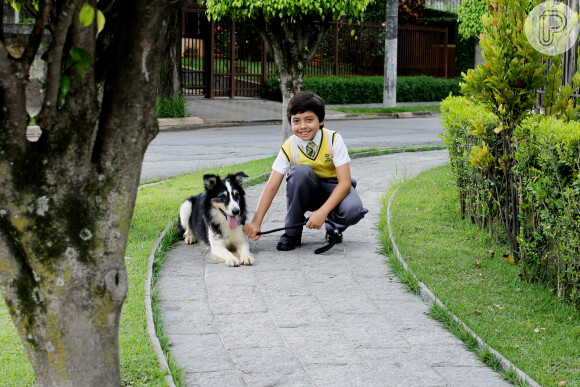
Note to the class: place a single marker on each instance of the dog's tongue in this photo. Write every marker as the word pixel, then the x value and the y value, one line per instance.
pixel 232 222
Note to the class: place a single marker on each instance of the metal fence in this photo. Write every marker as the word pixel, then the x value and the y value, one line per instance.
pixel 214 66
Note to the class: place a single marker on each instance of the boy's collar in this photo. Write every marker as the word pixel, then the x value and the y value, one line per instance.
pixel 316 139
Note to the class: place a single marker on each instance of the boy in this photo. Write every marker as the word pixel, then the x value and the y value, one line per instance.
pixel 316 162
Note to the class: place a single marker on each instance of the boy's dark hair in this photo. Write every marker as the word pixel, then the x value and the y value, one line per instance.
pixel 304 101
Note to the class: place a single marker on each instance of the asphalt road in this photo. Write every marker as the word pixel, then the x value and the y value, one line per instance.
pixel 180 152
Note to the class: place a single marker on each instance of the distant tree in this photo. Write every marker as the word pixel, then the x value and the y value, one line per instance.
pixel 66 200
pixel 292 31
pixel 390 78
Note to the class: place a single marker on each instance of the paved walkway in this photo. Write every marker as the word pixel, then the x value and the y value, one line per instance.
pixel 299 319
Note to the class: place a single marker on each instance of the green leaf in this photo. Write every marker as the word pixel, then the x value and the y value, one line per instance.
pixel 80 69
pixel 87 15
pixel 64 85
pixel 81 56
pixel 100 21
pixel 60 100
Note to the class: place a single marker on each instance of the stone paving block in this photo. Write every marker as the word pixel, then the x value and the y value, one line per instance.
pixel 319 345
pixel 180 288
pixel 472 377
pixel 401 367
pixel 224 299
pixel 329 275
pixel 201 353
pixel 353 301
pixel 187 317
pixel 248 330
pixel 352 374
pixel 271 259
pixel 369 331
pixel 288 282
pixel 217 273
pixel 292 311
pixel 185 260
pixel 385 289
pixel 214 379
pixel 275 366
pixel 405 310
pixel 452 355
pixel 426 337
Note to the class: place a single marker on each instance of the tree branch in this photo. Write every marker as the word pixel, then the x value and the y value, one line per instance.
pixel 54 64
pixel 35 37
pixel 13 115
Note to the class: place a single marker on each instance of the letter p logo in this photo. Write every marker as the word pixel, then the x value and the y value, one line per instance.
pixel 552 22
pixel 552 28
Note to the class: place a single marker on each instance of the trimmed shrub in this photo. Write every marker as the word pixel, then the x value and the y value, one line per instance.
pixel 358 90
pixel 547 174
pixel 548 169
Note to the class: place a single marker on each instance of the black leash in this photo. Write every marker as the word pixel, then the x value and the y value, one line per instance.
pixel 320 250
pixel 283 228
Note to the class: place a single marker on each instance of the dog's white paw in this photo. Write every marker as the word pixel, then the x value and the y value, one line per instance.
pixel 246 260
pixel 232 261
pixel 190 239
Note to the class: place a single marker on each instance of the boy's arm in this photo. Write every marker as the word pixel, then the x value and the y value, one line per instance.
pixel 317 218
pixel 253 228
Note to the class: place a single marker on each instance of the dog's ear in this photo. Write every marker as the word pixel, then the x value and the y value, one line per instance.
pixel 240 177
pixel 210 181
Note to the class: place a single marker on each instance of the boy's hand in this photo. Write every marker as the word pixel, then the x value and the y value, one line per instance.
pixel 252 230
pixel 316 220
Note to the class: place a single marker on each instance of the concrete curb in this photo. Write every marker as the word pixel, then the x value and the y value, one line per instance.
pixel 430 298
pixel 149 311
pixel 189 123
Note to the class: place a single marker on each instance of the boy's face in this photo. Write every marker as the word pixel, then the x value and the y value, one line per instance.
pixel 305 125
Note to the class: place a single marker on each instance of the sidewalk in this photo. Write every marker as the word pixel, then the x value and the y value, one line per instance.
pixel 227 111
pixel 299 319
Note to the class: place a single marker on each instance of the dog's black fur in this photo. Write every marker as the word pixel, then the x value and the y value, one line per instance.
pixel 202 205
pixel 216 217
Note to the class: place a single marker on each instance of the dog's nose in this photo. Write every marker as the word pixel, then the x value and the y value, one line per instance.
pixel 236 211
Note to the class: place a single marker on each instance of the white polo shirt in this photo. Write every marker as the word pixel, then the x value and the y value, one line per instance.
pixel 339 153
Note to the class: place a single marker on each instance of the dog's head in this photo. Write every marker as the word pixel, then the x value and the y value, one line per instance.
pixel 227 196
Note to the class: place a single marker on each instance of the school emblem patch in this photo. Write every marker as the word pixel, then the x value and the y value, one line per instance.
pixel 327 158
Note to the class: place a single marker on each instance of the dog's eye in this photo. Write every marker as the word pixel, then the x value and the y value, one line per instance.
pixel 236 195
pixel 222 196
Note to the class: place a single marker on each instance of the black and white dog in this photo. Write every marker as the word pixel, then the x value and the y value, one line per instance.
pixel 216 217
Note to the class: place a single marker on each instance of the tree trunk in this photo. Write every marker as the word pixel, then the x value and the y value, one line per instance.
pixel 170 83
pixel 293 49
pixel 390 81
pixel 67 199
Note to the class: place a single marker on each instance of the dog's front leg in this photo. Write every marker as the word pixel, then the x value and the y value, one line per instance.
pixel 245 257
pixel 221 254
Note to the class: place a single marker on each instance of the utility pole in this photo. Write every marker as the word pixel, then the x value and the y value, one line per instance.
pixel 391 29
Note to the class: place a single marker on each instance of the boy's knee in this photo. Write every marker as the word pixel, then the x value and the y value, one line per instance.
pixel 302 170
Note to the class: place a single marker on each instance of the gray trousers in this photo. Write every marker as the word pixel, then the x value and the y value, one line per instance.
pixel 307 192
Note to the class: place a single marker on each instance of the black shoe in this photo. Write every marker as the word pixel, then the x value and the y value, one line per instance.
pixel 333 237
pixel 288 242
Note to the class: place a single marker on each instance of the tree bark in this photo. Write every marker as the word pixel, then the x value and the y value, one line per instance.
pixel 293 49
pixel 391 29
pixel 170 82
pixel 67 199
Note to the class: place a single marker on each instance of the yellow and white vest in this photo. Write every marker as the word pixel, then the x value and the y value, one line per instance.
pixel 321 163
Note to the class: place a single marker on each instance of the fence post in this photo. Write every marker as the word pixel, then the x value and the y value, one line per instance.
pixel 232 58
pixel 209 62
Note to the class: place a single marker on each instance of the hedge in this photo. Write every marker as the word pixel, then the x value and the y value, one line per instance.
pixel 358 90
pixel 547 168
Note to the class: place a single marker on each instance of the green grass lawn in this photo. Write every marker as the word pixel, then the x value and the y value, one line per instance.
pixel 526 323
pixel 380 110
